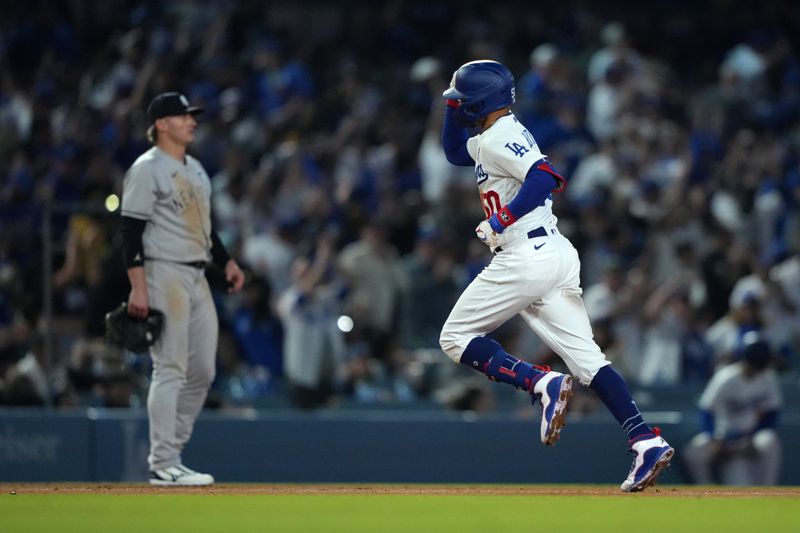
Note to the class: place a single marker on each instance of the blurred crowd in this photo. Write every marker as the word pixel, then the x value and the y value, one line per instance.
pixel 677 127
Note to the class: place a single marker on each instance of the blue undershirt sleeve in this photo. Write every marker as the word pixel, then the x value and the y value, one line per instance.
pixel 707 422
pixel 535 189
pixel 454 140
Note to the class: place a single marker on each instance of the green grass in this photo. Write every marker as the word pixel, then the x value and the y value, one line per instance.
pixel 196 513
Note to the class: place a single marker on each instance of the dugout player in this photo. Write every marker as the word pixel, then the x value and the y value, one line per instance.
pixel 739 413
pixel 168 241
pixel 535 271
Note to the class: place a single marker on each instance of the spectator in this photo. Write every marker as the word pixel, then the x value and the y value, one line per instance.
pixel 257 329
pixel 616 49
pixel 26 381
pixel 314 347
pixel 613 306
pixel 370 266
pixel 316 120
pixel 430 287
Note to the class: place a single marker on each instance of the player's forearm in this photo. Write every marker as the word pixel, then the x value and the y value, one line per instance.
pixel 454 140
pixel 132 247
pixel 707 421
pixel 535 189
pixel 219 255
pixel 542 179
pixel 137 300
pixel 137 278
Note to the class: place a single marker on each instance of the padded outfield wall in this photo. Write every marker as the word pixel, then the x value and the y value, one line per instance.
pixel 342 446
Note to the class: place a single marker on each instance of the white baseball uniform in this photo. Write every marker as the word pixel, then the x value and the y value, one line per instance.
pixel 737 403
pixel 535 271
pixel 174 198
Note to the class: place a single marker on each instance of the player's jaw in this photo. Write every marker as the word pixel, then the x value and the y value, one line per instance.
pixel 180 129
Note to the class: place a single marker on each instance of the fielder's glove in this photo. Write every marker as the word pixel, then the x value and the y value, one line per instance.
pixel 486 234
pixel 133 334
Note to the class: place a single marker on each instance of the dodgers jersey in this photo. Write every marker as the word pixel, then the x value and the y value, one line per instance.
pixel 736 401
pixel 175 200
pixel 503 155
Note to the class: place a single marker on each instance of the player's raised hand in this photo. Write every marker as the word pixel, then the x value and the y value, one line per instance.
pixel 451 102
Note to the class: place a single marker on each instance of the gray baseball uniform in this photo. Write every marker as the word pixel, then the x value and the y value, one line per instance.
pixel 174 198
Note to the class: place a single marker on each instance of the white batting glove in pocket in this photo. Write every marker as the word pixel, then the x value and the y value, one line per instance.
pixel 486 234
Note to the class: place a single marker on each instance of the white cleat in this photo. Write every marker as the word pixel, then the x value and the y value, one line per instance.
pixel 179 476
pixel 554 390
pixel 653 455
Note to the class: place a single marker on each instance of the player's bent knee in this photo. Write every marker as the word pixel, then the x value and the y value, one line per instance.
pixel 766 439
pixel 209 376
pixel 204 376
pixel 449 343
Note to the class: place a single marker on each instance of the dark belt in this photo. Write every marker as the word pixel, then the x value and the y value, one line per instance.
pixel 538 232
pixel 199 265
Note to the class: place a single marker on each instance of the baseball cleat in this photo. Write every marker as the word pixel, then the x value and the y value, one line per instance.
pixel 653 455
pixel 554 390
pixel 179 476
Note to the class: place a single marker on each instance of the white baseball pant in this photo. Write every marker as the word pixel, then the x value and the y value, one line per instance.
pixel 539 279
pixel 758 464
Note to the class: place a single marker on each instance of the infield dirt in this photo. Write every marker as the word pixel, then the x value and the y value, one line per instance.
pixel 352 489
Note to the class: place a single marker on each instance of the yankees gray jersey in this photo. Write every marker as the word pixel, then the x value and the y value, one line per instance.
pixel 175 200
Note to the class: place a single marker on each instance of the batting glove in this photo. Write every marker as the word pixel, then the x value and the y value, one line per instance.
pixel 486 234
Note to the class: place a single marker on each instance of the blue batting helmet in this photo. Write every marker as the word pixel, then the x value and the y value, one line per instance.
pixel 480 88
pixel 755 351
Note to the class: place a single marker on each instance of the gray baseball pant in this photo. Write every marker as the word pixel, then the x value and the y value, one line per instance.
pixel 183 358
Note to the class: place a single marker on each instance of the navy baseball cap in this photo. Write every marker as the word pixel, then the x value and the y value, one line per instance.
pixel 169 105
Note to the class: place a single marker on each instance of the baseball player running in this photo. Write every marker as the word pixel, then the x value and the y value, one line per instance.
pixel 168 241
pixel 535 271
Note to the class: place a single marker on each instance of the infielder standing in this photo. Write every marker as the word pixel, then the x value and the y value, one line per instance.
pixel 535 271
pixel 168 241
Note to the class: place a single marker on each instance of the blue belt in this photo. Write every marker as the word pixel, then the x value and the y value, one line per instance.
pixel 538 232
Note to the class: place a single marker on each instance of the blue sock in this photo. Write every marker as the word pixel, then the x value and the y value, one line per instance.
pixel 487 356
pixel 613 391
